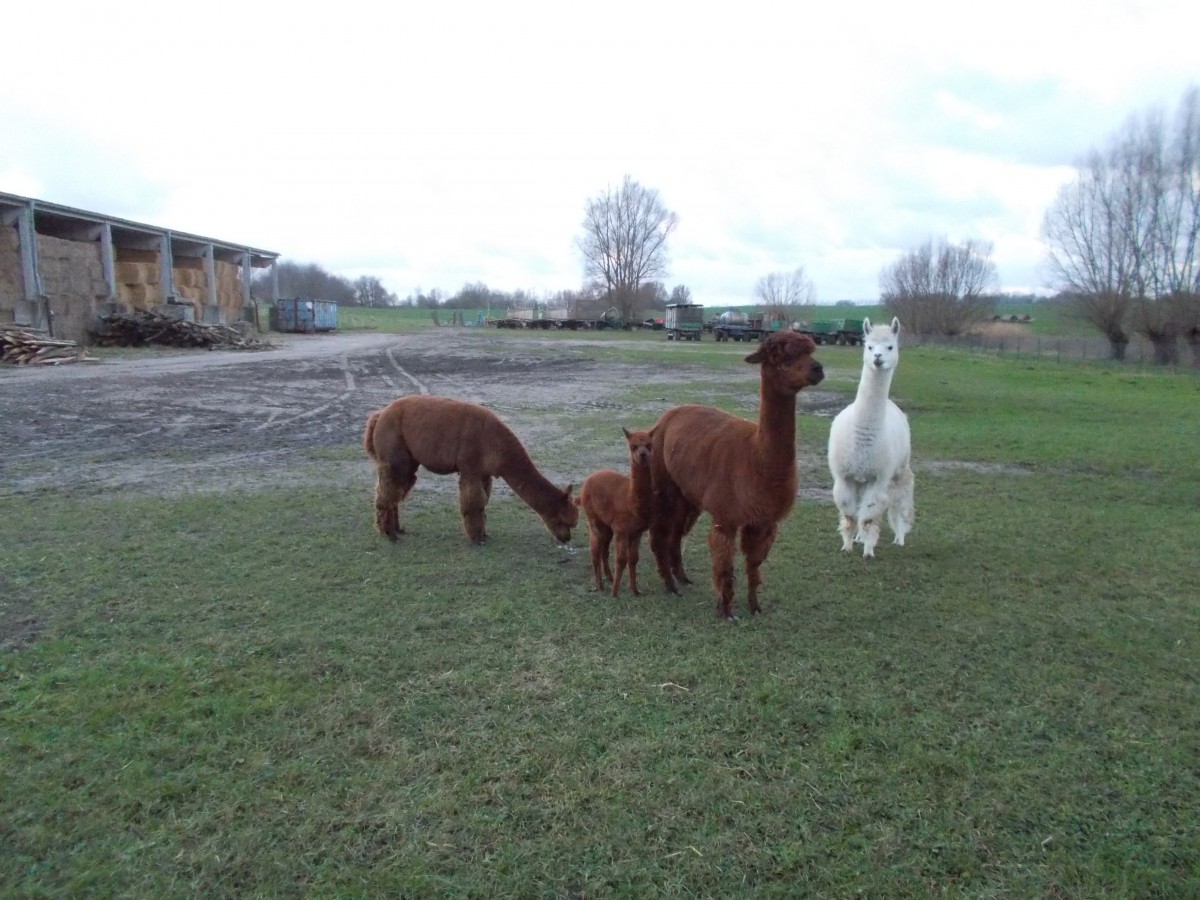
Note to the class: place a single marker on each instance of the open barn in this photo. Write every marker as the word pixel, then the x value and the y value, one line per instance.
pixel 61 268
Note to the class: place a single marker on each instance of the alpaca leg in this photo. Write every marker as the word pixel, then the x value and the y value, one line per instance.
pixel 901 511
pixel 868 534
pixel 601 536
pixel 846 498
pixel 660 538
pixel 394 479
pixel 721 548
pixel 633 553
pixel 756 544
pixel 622 562
pixel 472 499
pixel 689 521
pixel 871 510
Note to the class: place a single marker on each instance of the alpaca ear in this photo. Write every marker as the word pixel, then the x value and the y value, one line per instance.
pixel 866 326
pixel 895 326
pixel 625 431
pixel 568 490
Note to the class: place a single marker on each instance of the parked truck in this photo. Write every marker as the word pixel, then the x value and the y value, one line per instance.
pixel 685 321
pixel 737 326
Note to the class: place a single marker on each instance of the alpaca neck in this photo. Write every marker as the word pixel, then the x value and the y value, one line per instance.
pixel 530 485
pixel 776 428
pixel 871 400
pixel 641 490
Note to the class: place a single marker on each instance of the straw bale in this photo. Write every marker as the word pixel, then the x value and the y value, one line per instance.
pixel 12 281
pixel 137 272
pixel 128 254
pixel 190 278
pixel 140 296
pixel 192 263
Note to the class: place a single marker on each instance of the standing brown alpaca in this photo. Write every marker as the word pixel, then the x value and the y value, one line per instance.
pixel 743 474
pixel 620 505
pixel 446 436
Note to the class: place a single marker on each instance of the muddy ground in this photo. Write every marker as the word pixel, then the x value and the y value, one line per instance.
pixel 236 420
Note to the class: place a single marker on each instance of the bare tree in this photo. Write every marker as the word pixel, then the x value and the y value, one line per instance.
pixel 1122 239
pixel 307 280
pixel 624 243
pixel 680 294
pixel 369 291
pixel 941 288
pixel 784 295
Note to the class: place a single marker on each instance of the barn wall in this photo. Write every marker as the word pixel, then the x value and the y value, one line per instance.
pixel 12 284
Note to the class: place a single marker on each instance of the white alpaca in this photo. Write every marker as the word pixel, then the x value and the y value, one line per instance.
pixel 869 448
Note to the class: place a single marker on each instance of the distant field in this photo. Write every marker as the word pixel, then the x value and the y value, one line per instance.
pixel 1047 319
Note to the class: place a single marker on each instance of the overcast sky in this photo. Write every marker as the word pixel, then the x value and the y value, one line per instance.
pixel 435 144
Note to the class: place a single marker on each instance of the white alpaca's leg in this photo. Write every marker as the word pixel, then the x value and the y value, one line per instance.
pixel 901 512
pixel 871 508
pixel 846 499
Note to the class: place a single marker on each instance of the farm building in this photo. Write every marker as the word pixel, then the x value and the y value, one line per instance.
pixel 61 267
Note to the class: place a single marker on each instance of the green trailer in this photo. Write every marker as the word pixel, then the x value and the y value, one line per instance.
pixel 847 332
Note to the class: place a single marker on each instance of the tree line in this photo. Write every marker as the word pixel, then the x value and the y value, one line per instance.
pixel 1120 242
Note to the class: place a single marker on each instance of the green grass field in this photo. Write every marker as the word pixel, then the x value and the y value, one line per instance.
pixel 1048 319
pixel 255 694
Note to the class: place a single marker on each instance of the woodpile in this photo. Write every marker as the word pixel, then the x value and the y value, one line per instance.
pixel 20 346
pixel 141 328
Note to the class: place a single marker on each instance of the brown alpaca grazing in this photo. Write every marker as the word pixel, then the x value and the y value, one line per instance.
pixel 446 436
pixel 623 506
pixel 741 473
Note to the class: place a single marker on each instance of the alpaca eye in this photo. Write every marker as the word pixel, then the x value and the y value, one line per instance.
pixel 889 346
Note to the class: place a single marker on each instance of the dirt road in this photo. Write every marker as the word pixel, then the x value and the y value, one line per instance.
pixel 225 420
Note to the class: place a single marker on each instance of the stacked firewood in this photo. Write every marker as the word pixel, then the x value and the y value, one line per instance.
pixel 141 328
pixel 18 345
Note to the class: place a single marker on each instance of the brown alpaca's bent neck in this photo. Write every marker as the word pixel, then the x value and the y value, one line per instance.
pixel 531 485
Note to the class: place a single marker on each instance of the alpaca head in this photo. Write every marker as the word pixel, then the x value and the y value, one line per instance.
pixel 881 345
pixel 639 446
pixel 563 517
pixel 787 361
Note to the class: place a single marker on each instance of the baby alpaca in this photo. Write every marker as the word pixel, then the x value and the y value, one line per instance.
pixel 620 505
pixel 869 449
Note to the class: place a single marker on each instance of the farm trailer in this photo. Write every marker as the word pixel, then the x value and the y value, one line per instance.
pixel 836 331
pixel 684 321
pixel 745 328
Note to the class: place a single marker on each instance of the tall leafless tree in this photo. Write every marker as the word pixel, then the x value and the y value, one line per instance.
pixel 1122 238
pixel 624 242
pixel 941 288
pixel 784 295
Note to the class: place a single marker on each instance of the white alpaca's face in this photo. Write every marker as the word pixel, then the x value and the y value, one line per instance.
pixel 881 347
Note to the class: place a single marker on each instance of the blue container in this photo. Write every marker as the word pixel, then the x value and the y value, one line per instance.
pixel 306 316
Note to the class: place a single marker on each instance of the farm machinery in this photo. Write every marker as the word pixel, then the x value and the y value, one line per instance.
pixel 738 326
pixel 684 321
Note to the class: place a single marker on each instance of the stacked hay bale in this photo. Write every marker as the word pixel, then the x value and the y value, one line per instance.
pixel 137 278
pixel 73 280
pixel 229 290
pixel 191 285
pixel 12 282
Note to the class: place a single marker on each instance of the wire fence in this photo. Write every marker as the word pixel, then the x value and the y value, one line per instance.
pixel 1138 352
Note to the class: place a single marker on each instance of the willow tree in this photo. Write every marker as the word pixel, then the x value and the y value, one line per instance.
pixel 624 243
pixel 1122 238
pixel 941 288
